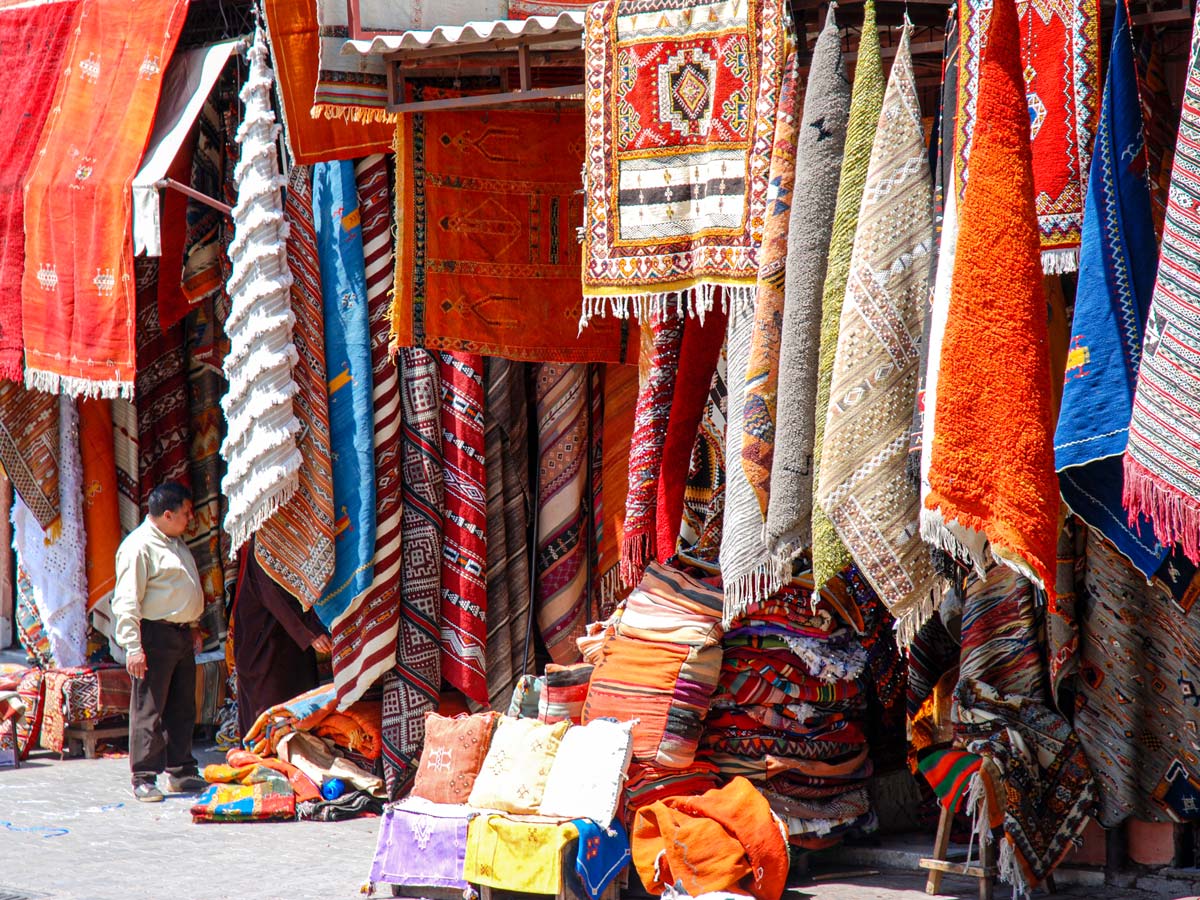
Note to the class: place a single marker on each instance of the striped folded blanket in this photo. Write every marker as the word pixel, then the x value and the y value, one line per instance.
pixel 668 605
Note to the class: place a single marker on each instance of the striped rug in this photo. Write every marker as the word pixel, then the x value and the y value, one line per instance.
pixel 364 642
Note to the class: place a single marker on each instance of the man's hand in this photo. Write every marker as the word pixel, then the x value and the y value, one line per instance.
pixel 135 664
pixel 323 644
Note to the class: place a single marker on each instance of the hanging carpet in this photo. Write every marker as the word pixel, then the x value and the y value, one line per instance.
pixel 78 290
pixel 704 492
pixel 101 519
pixel 620 388
pixel 29 448
pixel 352 88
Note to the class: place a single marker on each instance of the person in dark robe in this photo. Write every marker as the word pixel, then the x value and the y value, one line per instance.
pixel 275 643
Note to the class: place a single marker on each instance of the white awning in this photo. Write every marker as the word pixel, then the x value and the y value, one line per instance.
pixel 568 24
pixel 189 80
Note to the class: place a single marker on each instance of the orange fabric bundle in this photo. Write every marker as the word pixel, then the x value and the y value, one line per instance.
pixel 992 458
pixel 302 786
pixel 724 840
pixel 77 294
pixel 356 729
pixel 101 520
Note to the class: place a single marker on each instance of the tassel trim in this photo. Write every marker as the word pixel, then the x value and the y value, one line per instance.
pixel 636 552
pixel 54 383
pixel 363 115
pixel 241 527
pixel 695 301
pixel 1060 262
pixel 1176 516
pixel 754 586
pixel 911 620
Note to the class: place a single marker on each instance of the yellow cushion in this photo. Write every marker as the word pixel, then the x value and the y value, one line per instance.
pixel 518 762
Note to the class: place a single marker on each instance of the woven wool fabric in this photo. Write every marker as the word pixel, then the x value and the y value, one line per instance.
pixel 949 773
pixel 506 442
pixel 646 448
pixel 1116 280
pixel 29 448
pixel 1159 119
pixel 995 478
pixel 762 373
pixel 704 492
pixel 829 555
pixel 464 555
pixel 1133 728
pixel 351 88
pixel 348 369
pixel 364 640
pixel 1059 48
pixel 295 545
pixel 259 449
pixel 663 226
pixel 295 45
pixel 488 261
pixel 129 503
pixel 33 41
pixel 77 294
pixel 204 244
pixel 1163 455
pixel 1000 634
pixel 561 574
pixel 616 434
pixel 863 487
pixel 101 520
pixel 412 688
pixel 163 413
pixel 821 141
pixel 518 856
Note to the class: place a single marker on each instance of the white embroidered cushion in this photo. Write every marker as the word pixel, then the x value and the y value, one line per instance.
pixel 513 776
pixel 589 772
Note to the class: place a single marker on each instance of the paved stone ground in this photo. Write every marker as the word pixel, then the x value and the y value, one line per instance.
pixel 70 830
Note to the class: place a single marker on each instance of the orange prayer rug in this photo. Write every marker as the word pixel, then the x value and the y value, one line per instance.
pixel 488 205
pixel 77 295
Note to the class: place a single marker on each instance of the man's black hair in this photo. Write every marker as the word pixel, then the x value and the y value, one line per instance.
pixel 170 495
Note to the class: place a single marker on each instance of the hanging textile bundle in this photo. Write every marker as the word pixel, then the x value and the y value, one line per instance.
pixel 260 444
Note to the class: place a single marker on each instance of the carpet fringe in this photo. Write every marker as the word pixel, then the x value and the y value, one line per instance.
pixel 753 587
pixel 910 622
pixel 1176 517
pixel 359 114
pixel 636 553
pixel 53 383
pixel 1060 262
pixel 286 481
pixel 936 530
pixel 695 302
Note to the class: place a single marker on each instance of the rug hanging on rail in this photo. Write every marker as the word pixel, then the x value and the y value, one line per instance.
pixel 864 488
pixel 704 492
pixel 561 395
pixel 681 104
pixel 993 480
pixel 364 641
pixel 1060 54
pixel 77 294
pixel 1158 114
pixel 1163 456
pixel 1118 259
pixel 32 43
pixel 464 557
pixel 29 448
pixel 353 88
pixel 296 545
pixel 488 260
pixel 412 688
pixel 101 518
pixel 620 388
pixel 338 219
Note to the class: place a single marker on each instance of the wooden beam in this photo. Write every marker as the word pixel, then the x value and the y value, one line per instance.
pixel 485 100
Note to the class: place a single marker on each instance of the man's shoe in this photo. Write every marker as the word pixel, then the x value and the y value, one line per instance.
pixel 146 792
pixel 186 784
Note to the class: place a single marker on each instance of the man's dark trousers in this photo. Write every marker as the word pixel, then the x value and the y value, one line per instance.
pixel 162 706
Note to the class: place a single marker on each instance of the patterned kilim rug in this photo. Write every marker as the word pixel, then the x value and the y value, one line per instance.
pixel 863 486
pixel 1060 51
pixel 29 448
pixel 676 188
pixel 101 520
pixel 488 261
pixel 829 555
pixel 620 389
pixel 1116 280
pixel 1163 457
pixel 704 492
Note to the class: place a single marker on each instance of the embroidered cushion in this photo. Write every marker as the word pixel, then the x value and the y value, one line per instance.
pixel 589 772
pixel 513 777
pixel 454 750
pixel 564 692
pixel 665 686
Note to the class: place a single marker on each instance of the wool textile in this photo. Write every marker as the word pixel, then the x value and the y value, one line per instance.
pixel 350 88
pixel 620 390
pixel 704 490
pixel 487 261
pixel 1116 280
pixel 364 640
pixel 422 842
pixel 1158 116
pixel 101 520
pixel 77 294
pixel 1163 455
pixel 506 433
pixel 295 546
pixel 259 448
pixel 29 443
pixel 680 120
pixel 32 44
pixel 996 478
pixel 829 555
pixel 516 856
pixel 338 219
pixel 949 773
pixel 1059 49
pixel 821 141
pixel 863 487
pixel 464 552
pixel 561 395
pixel 295 45
pixel 412 688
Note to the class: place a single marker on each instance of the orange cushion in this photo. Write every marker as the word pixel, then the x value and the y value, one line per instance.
pixel 453 754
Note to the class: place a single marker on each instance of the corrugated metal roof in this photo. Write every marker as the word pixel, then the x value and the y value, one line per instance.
pixel 569 24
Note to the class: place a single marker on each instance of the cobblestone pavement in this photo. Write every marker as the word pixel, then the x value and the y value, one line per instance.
pixel 70 830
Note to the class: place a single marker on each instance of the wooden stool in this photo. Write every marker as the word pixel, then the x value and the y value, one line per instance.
pixel 84 736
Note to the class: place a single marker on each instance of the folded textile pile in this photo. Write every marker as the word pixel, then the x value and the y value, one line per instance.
pixel 788 711
pixel 302 713
pixel 245 793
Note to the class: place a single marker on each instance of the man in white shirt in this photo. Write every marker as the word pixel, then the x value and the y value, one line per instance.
pixel 156 603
